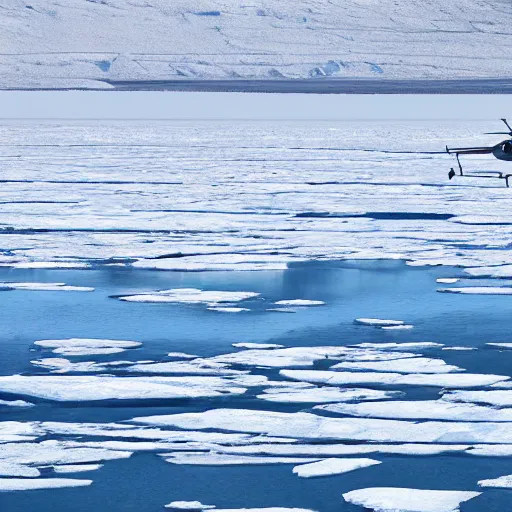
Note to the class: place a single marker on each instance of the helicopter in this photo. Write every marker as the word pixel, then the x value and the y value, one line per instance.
pixel 501 151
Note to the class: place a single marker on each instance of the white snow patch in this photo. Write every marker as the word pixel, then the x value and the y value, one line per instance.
pixel 395 499
pixel 328 467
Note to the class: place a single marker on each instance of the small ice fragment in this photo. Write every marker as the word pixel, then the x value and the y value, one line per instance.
pixel 447 280
pixel 50 287
pixel 262 346
pixel 227 309
pixel 395 499
pixel 181 355
pixel 87 346
pixel 404 327
pixel 190 296
pixel 501 345
pixel 377 322
pixel 503 482
pixel 478 290
pixel 76 468
pixel 458 348
pixel 25 484
pixel 300 302
pixel 222 459
pixel 188 505
pixel 282 310
pixel 332 466
pixel 324 394
pixel 16 403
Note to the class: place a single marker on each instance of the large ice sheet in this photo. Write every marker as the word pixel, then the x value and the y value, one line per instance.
pixel 329 467
pixel 324 394
pixel 421 410
pixel 191 296
pixel 395 499
pixel 500 398
pixel 78 389
pixel 502 482
pixel 311 426
pixel 414 365
pixel 334 378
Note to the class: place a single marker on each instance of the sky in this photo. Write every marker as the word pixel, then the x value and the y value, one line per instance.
pixel 257 106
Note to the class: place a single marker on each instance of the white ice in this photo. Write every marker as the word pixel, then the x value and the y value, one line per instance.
pixel 421 410
pixel 197 366
pixel 395 499
pixel 27 484
pixel 501 345
pixel 16 403
pixel 447 280
pixel 87 346
pixel 190 296
pixel 222 459
pixel 299 302
pixel 420 345
pixel 502 482
pixel 478 290
pixel 499 398
pixel 323 394
pixel 227 309
pixel 50 287
pixel 73 388
pixel 188 505
pixel 76 468
pixel 311 426
pixel 411 365
pixel 450 380
pixel 328 467
pixel 262 346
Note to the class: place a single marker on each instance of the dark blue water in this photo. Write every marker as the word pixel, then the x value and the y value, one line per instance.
pixel 144 482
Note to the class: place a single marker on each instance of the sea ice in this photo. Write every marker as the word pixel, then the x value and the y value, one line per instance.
pixel 328 467
pixel 222 459
pixel 262 346
pixel 181 355
pixel 493 397
pixel 197 366
pixel 414 345
pixel 500 345
pixel 76 468
pixel 16 403
pixel 449 380
pixel 188 505
pixel 227 309
pixel 190 296
pixel 503 482
pixel 447 280
pixel 478 290
pixel 87 346
pixel 421 410
pixel 84 388
pixel 395 499
pixel 323 394
pixel 8 468
pixel 50 287
pixel 299 302
pixel 404 327
pixel 303 425
pixel 412 365
pixel 26 484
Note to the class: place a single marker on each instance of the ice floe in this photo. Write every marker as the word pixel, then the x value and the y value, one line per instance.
pixel 302 425
pixel 421 410
pixel 500 345
pixel 222 459
pixel 396 499
pixel 50 287
pixel 447 280
pixel 411 365
pixel 457 348
pixel 261 346
pixel 87 346
pixel 9 468
pixel 181 355
pixel 190 296
pixel 16 403
pixel 447 380
pixel 188 505
pixel 500 398
pixel 227 309
pixel 26 484
pixel 404 327
pixel 323 394
pixel 299 302
pixel 478 290
pixel 377 322
pixel 503 482
pixel 76 468
pixel 328 467
pixel 413 345
pixel 197 366
pixel 85 388
pixel 61 365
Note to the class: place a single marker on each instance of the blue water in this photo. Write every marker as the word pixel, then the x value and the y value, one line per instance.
pixel 145 482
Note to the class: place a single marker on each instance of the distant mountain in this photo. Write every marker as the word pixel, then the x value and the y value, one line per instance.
pixel 60 43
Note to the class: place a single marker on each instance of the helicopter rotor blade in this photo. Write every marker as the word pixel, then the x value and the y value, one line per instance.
pixel 498 133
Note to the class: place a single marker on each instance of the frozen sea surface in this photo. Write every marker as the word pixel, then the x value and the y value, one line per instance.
pixel 97 440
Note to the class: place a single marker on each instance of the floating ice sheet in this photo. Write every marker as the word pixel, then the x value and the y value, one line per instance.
pixel 76 468
pixel 413 345
pixel 86 388
pixel 377 322
pixel 328 467
pixel 303 425
pixel 503 482
pixel 323 394
pixel 500 398
pixel 501 345
pixel 222 459
pixel 227 309
pixel 395 499
pixel 16 403
pixel 27 484
pixel 478 290
pixel 414 365
pixel 450 380
pixel 300 302
pixel 197 366
pixel 262 346
pixel 87 346
pixel 190 296
pixel 421 410
pixel 188 505
pixel 447 280
pixel 50 287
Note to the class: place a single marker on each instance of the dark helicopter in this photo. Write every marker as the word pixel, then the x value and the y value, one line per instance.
pixel 501 151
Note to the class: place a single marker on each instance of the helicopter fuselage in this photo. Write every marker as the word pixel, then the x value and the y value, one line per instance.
pixel 503 150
